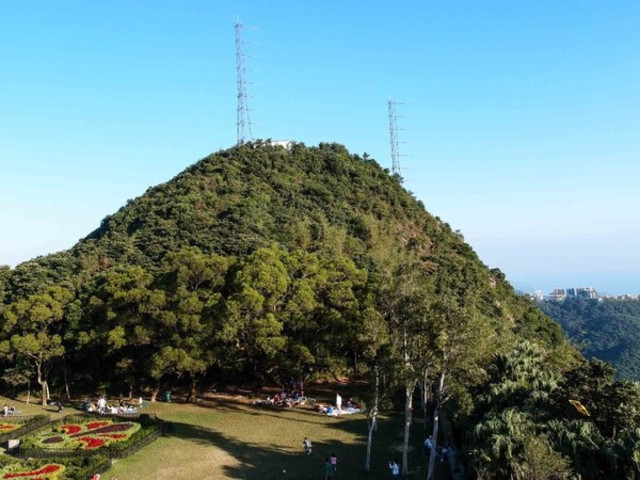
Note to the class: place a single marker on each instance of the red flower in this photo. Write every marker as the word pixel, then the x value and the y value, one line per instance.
pixel 44 471
pixel 94 425
pixel 90 442
pixel 69 429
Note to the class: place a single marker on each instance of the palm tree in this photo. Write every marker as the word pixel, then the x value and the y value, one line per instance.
pixel 627 453
pixel 501 437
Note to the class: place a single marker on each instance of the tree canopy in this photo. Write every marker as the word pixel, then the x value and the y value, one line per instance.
pixel 607 329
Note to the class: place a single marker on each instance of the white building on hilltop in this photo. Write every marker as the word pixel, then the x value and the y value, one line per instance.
pixel 286 144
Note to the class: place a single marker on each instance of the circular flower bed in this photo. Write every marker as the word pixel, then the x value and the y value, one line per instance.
pixel 50 471
pixel 90 435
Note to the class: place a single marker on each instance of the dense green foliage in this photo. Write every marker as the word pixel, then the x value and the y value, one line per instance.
pixel 258 264
pixel 608 329
pixel 525 424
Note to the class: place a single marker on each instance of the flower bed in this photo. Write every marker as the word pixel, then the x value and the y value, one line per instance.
pixel 77 436
pixel 21 425
pixel 50 471
pixel 91 434
pixel 6 427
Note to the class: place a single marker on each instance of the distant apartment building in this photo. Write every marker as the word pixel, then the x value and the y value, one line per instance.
pixel 538 296
pixel 586 292
pixel 627 296
pixel 560 294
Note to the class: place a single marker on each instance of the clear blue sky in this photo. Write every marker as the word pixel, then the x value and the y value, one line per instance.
pixel 521 120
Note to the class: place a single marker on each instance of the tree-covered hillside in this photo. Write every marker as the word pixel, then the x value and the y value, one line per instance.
pixel 260 264
pixel 608 329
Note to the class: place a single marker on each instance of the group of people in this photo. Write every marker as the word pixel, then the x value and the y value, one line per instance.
pixel 292 394
pixel 287 399
pixel 442 454
pixel 350 406
pixel 330 467
pixel 8 410
pixel 330 463
pixel 102 407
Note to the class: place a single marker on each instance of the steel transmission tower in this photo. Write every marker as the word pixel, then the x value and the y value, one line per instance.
pixel 393 138
pixel 243 123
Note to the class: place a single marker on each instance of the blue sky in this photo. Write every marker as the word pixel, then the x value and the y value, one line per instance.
pixel 519 125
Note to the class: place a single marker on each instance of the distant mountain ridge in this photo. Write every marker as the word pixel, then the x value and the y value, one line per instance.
pixel 608 329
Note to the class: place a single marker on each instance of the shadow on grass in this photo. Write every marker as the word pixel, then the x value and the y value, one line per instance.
pixel 269 460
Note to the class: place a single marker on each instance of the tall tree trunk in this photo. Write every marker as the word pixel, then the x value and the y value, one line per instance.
pixel 66 383
pixel 355 366
pixel 43 384
pixel 193 391
pixel 408 409
pixel 43 390
pixel 436 425
pixel 425 396
pixel 410 385
pixel 155 392
pixel 372 418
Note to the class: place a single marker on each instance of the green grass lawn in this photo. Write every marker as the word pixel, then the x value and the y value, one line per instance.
pixel 227 438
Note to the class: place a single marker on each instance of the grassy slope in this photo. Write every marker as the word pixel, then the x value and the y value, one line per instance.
pixel 228 439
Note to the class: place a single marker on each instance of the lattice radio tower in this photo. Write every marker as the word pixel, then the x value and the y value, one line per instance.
pixel 243 123
pixel 393 137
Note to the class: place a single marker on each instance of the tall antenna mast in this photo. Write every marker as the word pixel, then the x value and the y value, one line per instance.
pixel 393 138
pixel 243 123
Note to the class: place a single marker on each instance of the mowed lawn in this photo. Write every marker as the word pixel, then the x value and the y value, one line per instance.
pixel 226 437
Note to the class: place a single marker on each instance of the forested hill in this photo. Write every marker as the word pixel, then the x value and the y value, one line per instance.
pixel 608 329
pixel 316 234
pixel 313 199
pixel 259 264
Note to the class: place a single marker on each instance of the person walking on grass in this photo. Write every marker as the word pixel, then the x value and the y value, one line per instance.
pixel 428 445
pixel 395 469
pixel 334 463
pixel 328 469
pixel 306 444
